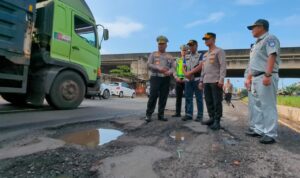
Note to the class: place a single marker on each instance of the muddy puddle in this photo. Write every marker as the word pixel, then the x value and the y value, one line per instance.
pixel 179 135
pixel 91 138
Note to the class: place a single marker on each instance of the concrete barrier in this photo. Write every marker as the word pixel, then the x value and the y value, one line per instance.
pixel 290 113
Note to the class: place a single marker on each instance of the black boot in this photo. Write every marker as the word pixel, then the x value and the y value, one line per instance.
pixel 216 125
pixel 209 122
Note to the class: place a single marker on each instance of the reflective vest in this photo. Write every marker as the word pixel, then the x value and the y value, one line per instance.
pixel 180 64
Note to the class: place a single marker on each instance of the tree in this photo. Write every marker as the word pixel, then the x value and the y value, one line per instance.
pixel 122 71
pixel 294 88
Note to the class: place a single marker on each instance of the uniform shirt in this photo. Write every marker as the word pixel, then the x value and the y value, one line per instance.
pixel 156 60
pixel 214 66
pixel 265 45
pixel 192 61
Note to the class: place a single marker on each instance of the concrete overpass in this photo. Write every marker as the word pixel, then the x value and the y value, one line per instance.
pixel 237 60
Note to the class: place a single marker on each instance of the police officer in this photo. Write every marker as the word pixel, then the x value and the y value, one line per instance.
pixel 160 63
pixel 179 77
pixel 263 79
pixel 212 80
pixel 192 73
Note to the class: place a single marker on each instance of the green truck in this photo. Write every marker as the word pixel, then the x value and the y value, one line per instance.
pixel 49 49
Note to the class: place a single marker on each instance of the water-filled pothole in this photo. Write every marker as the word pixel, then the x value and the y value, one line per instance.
pixel 179 135
pixel 92 138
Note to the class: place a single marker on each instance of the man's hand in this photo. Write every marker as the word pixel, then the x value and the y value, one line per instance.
pixel 163 70
pixel 178 80
pixel 168 73
pixel 188 75
pixel 200 86
pixel 267 81
pixel 248 84
pixel 220 85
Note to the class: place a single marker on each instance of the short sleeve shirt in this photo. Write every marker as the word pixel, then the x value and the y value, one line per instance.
pixel 265 46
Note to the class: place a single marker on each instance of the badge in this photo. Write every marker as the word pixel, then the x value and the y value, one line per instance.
pixel 157 61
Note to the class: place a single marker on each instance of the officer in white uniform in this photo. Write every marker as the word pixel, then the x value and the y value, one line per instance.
pixel 263 79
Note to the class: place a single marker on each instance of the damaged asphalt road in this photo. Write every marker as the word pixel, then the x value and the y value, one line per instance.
pixel 157 149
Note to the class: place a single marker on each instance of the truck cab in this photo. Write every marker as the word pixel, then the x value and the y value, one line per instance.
pixel 59 56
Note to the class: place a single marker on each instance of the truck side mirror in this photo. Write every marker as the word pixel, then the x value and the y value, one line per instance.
pixel 105 34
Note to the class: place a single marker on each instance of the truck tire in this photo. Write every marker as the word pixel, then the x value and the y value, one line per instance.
pixel 67 91
pixel 15 99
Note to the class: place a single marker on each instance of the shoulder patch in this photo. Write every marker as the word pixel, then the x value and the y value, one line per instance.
pixel 271 43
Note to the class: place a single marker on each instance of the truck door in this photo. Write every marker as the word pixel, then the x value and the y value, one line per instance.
pixel 84 45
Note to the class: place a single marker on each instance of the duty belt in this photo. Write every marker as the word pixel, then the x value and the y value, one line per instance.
pixel 256 74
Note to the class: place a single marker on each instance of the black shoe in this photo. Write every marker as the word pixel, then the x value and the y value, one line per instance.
pixel 148 119
pixel 216 125
pixel 186 118
pixel 267 140
pixel 209 122
pixel 176 115
pixel 251 133
pixel 162 119
pixel 199 119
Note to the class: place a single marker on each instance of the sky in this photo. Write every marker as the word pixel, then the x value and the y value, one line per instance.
pixel 135 24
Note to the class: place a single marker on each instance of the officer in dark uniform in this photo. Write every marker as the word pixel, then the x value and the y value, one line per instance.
pixel 160 63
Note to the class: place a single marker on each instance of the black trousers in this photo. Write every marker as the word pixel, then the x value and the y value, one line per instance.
pixel 159 88
pixel 228 97
pixel 213 99
pixel 179 94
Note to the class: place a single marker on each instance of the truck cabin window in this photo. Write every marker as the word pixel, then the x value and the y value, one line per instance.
pixel 86 31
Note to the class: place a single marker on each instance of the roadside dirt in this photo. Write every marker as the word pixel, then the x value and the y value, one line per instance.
pixel 157 149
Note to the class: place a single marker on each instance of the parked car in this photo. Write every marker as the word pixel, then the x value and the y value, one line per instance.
pixel 122 89
pixel 105 91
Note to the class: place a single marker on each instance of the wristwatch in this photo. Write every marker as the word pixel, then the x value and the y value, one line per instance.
pixel 268 75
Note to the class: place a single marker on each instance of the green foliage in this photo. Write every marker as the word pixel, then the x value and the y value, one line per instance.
pixel 290 90
pixel 293 101
pixel 122 71
pixel 244 93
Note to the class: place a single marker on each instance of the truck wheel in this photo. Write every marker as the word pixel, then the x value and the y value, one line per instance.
pixel 15 99
pixel 106 94
pixel 121 95
pixel 67 91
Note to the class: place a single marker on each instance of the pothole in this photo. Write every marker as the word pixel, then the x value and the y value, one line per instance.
pixel 180 135
pixel 92 138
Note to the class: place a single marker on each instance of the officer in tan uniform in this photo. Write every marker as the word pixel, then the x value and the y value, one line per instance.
pixel 212 80
pixel 160 64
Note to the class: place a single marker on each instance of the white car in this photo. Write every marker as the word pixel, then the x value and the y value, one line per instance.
pixel 122 89
pixel 105 91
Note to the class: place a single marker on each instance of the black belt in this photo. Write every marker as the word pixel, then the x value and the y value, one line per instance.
pixel 261 73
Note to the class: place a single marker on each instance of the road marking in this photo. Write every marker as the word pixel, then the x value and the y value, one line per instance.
pixel 281 121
